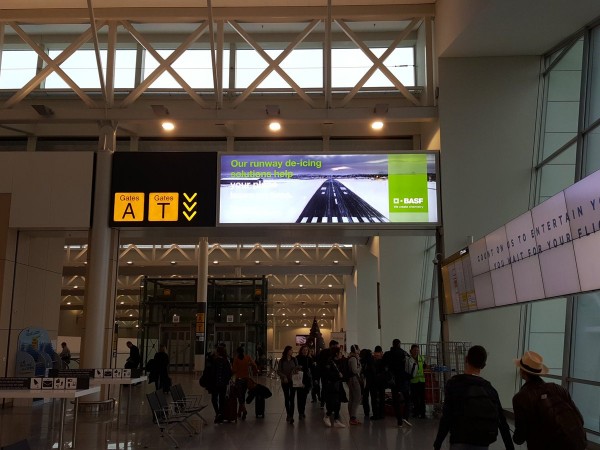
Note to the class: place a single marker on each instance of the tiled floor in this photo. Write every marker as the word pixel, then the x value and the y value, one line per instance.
pixel 97 431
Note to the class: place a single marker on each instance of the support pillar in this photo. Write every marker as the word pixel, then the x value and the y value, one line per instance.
pixel 102 262
pixel 365 279
pixel 201 298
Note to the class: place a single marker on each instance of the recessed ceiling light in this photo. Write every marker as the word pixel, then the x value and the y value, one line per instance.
pixel 304 324
pixel 215 262
pixel 330 285
pixel 137 326
pixel 283 314
pixel 68 303
pixel 75 287
pixel 297 262
pixel 131 315
pixel 168 126
pixel 256 262
pixel 336 261
pixel 85 262
pixel 130 262
pixel 287 324
pixel 173 262
pixel 300 285
pixel 274 126
pixel 323 313
pixel 377 125
pixel 303 314
pixel 122 303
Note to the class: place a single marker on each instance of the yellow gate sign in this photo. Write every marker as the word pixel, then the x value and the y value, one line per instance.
pixel 163 207
pixel 129 207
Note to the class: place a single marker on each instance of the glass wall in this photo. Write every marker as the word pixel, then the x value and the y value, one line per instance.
pixel 569 149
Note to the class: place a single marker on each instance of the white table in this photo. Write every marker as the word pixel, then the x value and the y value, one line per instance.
pixel 120 382
pixel 63 395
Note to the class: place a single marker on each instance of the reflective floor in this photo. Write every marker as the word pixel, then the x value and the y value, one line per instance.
pixel 100 430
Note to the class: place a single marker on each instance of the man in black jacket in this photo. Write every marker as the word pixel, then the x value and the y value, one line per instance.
pixel 395 361
pixel 472 412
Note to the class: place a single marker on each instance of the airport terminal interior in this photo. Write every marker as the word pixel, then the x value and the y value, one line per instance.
pixel 270 173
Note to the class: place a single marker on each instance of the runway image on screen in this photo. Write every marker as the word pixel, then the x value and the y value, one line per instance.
pixel 328 189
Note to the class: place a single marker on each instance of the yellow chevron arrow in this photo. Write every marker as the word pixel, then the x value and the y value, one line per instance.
pixel 189 217
pixel 190 198
pixel 189 208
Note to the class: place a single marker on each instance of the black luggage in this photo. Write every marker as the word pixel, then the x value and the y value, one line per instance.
pixel 259 407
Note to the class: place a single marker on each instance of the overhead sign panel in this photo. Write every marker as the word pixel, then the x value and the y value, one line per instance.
pixel 164 189
pixel 329 189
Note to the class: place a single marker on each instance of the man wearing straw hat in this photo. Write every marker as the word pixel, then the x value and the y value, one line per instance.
pixel 545 415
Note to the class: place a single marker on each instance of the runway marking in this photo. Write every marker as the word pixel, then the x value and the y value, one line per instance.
pixel 304 220
pixel 365 219
pixel 345 220
pixel 345 192
pixel 314 220
pixel 324 219
pixel 354 219
pixel 335 201
pixel 335 219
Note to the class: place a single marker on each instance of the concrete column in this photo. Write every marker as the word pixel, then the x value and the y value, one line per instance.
pixel 351 319
pixel 102 262
pixel 401 272
pixel 365 280
pixel 201 298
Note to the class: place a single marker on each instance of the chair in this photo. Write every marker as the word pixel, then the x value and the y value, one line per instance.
pixel 164 419
pixel 175 410
pixel 190 404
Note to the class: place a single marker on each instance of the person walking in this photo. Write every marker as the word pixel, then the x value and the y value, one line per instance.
pixel 377 384
pixel 242 365
pixel 545 415
pixel 65 355
pixel 395 362
pixel 304 362
pixel 219 372
pixel 417 383
pixel 354 390
pixel 472 412
pixel 160 370
pixel 286 367
pixel 332 389
pixel 134 359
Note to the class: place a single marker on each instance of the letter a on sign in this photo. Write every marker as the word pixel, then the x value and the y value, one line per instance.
pixel 129 207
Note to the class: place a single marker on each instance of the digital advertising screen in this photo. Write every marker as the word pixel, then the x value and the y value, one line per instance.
pixel 550 251
pixel 328 189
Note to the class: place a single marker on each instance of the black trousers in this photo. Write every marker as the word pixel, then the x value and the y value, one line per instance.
pixel 289 392
pixel 401 400
pixel 218 399
pixel 377 400
pixel 417 391
pixel 301 394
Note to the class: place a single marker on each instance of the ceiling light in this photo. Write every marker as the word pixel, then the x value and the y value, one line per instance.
pixel 131 315
pixel 377 125
pixel 215 262
pixel 168 126
pixel 301 285
pixel 287 324
pixel 85 262
pixel 137 326
pixel 304 324
pixel 303 314
pixel 274 126
pixel 297 262
pixel 130 262
pixel 240 314
pixel 75 287
pixel 330 285
pixel 336 261
pixel 323 313
pixel 68 303
pixel 173 262
pixel 283 314
pixel 256 262
pixel 122 303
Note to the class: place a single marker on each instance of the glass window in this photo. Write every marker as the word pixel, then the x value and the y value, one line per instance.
pixel 348 66
pixel 586 351
pixel 587 399
pixel 82 69
pixel 592 150
pixel 547 332
pixel 594 99
pixel 18 67
pixel 304 66
pixel 194 66
pixel 557 175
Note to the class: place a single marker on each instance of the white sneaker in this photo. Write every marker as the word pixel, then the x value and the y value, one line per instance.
pixel 327 421
pixel 407 422
pixel 339 424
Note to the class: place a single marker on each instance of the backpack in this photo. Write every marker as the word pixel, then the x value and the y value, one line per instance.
pixel 345 368
pixel 561 419
pixel 477 421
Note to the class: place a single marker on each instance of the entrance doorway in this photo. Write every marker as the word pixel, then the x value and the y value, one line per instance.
pixel 179 340
pixel 232 335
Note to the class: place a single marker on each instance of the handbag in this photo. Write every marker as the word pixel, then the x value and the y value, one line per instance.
pixel 297 379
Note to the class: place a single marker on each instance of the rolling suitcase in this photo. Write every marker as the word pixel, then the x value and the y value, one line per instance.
pixel 231 404
pixel 259 407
